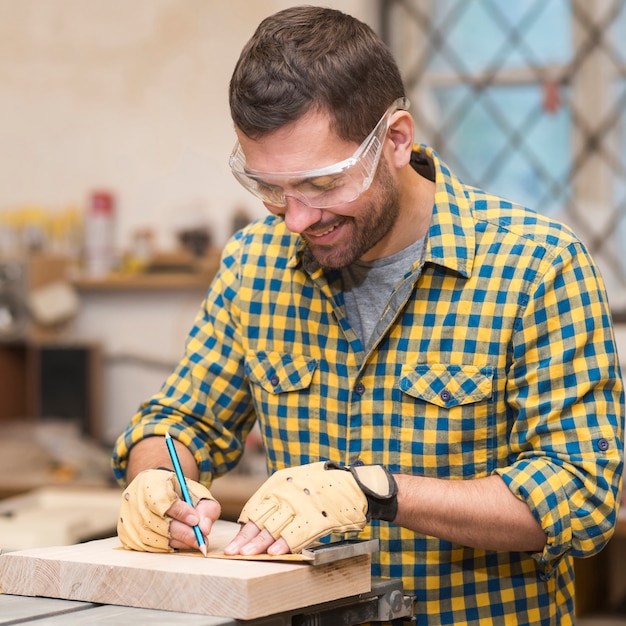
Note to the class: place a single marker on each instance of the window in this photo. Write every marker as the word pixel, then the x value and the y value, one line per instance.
pixel 527 99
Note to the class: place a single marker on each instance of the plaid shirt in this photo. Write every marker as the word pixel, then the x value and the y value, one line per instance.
pixel 495 355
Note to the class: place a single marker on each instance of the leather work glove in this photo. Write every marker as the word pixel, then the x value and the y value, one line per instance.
pixel 302 504
pixel 142 523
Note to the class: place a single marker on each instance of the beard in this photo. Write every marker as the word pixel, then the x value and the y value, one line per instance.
pixel 374 221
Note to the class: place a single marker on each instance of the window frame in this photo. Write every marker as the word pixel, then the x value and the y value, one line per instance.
pixel 590 208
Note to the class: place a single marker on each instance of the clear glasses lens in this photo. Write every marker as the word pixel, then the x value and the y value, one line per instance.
pixel 324 187
pixel 320 191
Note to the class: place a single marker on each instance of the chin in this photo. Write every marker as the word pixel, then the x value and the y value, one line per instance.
pixel 330 261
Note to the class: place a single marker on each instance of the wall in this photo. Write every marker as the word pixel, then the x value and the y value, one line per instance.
pixel 142 334
pixel 130 96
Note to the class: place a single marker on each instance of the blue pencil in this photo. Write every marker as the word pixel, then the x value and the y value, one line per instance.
pixel 183 487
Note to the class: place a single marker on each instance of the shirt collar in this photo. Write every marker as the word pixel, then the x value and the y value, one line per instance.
pixel 451 235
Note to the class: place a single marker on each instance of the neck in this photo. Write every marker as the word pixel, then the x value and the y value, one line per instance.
pixel 416 198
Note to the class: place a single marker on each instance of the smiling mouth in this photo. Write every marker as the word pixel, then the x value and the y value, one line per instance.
pixel 323 233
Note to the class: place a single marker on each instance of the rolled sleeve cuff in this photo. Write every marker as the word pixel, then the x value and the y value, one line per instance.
pixel 138 432
pixel 539 485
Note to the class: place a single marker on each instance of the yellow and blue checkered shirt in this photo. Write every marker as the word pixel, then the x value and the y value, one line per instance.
pixel 497 356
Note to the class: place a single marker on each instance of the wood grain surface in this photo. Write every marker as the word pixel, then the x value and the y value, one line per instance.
pixel 102 571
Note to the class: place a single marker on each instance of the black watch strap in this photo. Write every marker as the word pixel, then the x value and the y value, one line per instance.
pixel 382 503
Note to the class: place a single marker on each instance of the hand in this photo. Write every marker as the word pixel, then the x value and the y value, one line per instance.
pixel 153 518
pixel 252 540
pixel 298 505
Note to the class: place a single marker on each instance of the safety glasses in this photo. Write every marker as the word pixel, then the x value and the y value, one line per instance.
pixel 323 187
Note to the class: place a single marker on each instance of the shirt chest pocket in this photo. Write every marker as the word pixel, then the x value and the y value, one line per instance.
pixel 287 405
pixel 275 372
pixel 449 419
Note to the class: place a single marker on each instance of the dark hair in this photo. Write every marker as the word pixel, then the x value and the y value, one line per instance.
pixel 306 58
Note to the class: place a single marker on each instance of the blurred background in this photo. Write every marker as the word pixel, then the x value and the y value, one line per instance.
pixel 116 195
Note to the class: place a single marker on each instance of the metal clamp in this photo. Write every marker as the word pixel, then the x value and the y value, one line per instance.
pixel 386 601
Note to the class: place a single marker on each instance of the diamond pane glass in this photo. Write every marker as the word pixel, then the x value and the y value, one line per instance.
pixel 478 34
pixel 476 139
pixel 618 33
pixel 527 99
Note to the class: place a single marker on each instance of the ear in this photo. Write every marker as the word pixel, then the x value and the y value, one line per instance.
pixel 401 131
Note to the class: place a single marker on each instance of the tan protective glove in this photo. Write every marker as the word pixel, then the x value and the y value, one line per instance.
pixel 302 504
pixel 142 523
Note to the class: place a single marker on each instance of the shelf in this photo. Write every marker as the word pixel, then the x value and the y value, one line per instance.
pixel 168 271
pixel 145 281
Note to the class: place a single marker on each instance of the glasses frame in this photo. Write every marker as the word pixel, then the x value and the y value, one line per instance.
pixel 251 179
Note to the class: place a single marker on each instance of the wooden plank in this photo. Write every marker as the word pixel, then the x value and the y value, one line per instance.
pixel 101 571
pixel 55 516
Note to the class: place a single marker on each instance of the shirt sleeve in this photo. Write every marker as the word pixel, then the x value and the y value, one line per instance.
pixel 205 403
pixel 566 390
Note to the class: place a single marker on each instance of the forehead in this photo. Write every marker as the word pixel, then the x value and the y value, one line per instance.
pixel 307 143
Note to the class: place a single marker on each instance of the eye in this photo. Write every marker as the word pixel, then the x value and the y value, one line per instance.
pixel 267 188
pixel 274 193
pixel 322 183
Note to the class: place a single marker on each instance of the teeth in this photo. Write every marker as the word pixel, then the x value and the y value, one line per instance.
pixel 330 230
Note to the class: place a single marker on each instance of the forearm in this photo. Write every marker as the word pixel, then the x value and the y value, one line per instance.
pixel 480 513
pixel 151 453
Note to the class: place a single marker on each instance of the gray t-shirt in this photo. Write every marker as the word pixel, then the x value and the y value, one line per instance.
pixel 369 285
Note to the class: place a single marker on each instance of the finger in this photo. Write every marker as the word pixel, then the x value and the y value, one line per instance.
pixel 258 544
pixel 184 517
pixel 179 545
pixel 246 534
pixel 182 536
pixel 278 547
pixel 209 511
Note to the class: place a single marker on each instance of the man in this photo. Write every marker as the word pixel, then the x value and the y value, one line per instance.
pixel 449 353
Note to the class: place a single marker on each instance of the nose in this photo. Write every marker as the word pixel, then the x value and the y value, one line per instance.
pixel 299 216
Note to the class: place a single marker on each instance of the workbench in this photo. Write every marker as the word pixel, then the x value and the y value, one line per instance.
pixel 385 601
pixel 49 611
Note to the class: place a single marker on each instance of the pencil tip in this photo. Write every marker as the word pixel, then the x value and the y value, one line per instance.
pixel 203 550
